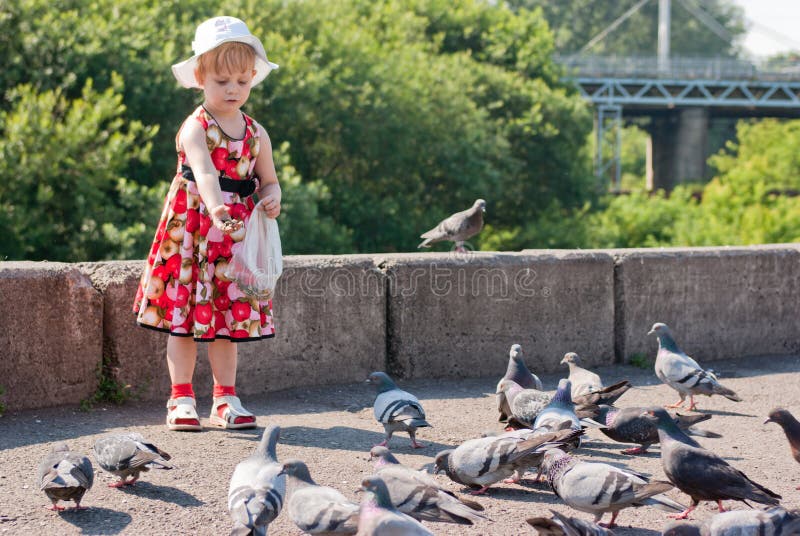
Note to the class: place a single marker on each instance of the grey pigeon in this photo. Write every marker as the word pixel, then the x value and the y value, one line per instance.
pixel 419 495
pixel 397 410
pixel 701 474
pixel 606 395
pixel 518 373
pixel 790 427
pixel 257 488
pixel 523 405
pixel 127 455
pixel 561 525
pixel 682 373
pixel 65 476
pixel 773 522
pixel 457 228
pixel 583 381
pixel 560 411
pixel 598 488
pixel 378 517
pixel 317 509
pixel 485 461
pixel 627 425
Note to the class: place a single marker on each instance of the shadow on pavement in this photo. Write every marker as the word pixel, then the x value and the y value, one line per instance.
pixel 162 493
pixel 348 438
pixel 97 520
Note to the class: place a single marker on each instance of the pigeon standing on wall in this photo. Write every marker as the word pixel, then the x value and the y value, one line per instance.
pixel 419 495
pixel 396 410
pixel 773 522
pixel 457 228
pixel 627 425
pixel 317 509
pixel 561 525
pixel 583 381
pixel 682 373
pixel 65 476
pixel 791 427
pixel 378 517
pixel 128 455
pixel 701 474
pixel 598 488
pixel 518 373
pixel 257 488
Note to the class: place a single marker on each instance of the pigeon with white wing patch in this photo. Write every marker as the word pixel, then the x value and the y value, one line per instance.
pixel 128 455
pixel 65 476
pixel 396 410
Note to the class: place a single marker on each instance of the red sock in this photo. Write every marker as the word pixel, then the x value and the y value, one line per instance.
pixel 228 390
pixel 182 389
pixel 224 390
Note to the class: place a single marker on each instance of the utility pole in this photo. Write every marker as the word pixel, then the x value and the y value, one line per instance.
pixel 664 9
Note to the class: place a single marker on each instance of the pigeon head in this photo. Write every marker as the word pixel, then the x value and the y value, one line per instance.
pixel 382 455
pixel 297 469
pixel 441 461
pixel 381 381
pixel 659 328
pixel 481 204
pixel 682 528
pixel 516 352
pixel 551 458
pixel 659 417
pixel 563 393
pixel 571 357
pixel 779 416
pixel 376 487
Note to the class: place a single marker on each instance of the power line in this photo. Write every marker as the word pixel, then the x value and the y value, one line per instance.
pixel 708 20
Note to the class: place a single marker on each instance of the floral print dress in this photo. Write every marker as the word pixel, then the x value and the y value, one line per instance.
pixel 183 290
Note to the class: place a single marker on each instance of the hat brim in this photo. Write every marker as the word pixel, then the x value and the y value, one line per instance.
pixel 184 71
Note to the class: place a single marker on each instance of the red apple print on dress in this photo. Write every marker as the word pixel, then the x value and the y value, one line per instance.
pixel 219 321
pixel 240 334
pixel 181 296
pixel 238 211
pixel 240 311
pixel 222 302
pixel 230 168
pixel 173 266
pixel 202 313
pixel 179 203
pixel 219 157
pixel 205 224
pixel 192 220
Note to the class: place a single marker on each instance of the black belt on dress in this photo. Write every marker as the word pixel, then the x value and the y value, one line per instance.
pixel 244 187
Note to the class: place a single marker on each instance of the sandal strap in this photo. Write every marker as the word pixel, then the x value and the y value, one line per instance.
pixel 181 408
pixel 234 408
pixel 181 401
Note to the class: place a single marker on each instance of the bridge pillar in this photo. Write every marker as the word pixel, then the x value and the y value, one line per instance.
pixel 679 142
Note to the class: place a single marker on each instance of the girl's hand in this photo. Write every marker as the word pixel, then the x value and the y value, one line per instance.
pixel 271 205
pixel 221 217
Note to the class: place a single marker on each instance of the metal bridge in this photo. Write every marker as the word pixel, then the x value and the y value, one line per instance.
pixel 679 95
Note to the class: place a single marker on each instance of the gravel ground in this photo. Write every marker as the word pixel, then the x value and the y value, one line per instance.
pixel 332 429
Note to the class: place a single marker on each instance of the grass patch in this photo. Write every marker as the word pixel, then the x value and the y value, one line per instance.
pixel 640 360
pixel 109 388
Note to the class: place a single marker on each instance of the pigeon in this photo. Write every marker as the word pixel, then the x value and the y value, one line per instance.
pixel 606 395
pixel 317 509
pixel 790 427
pixel 457 228
pixel 559 411
pixel 776 521
pixel 257 488
pixel 699 473
pixel 65 476
pixel 419 495
pixel 127 455
pixel 523 405
pixel 682 373
pixel 519 374
pixel 377 516
pixel 396 409
pixel 626 425
pixel 583 381
pixel 561 525
pixel 485 461
pixel 598 488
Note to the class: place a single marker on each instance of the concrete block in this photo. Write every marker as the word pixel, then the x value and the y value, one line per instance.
pixel 721 303
pixel 330 321
pixel 457 316
pixel 51 336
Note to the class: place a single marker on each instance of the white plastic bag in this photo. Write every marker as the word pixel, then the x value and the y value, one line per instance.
pixel 257 265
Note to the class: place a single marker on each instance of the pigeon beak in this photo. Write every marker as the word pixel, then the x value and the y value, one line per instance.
pixel 768 420
pixel 651 332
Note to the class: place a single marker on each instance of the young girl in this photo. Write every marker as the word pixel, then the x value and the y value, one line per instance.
pixel 224 157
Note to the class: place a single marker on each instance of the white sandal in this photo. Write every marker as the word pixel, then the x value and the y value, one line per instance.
pixel 233 409
pixel 182 408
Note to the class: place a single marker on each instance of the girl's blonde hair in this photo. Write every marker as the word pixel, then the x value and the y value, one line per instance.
pixel 231 57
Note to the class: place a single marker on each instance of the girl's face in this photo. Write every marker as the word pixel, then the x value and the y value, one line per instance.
pixel 226 92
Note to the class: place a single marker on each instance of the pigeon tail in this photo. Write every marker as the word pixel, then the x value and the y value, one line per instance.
pixel 720 389
pixel 700 432
pixel 418 423
pixel 269 440
pixel 652 494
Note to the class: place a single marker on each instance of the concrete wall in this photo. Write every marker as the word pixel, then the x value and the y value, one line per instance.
pixel 416 315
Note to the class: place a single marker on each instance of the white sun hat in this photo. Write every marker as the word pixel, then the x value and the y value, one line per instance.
pixel 212 33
